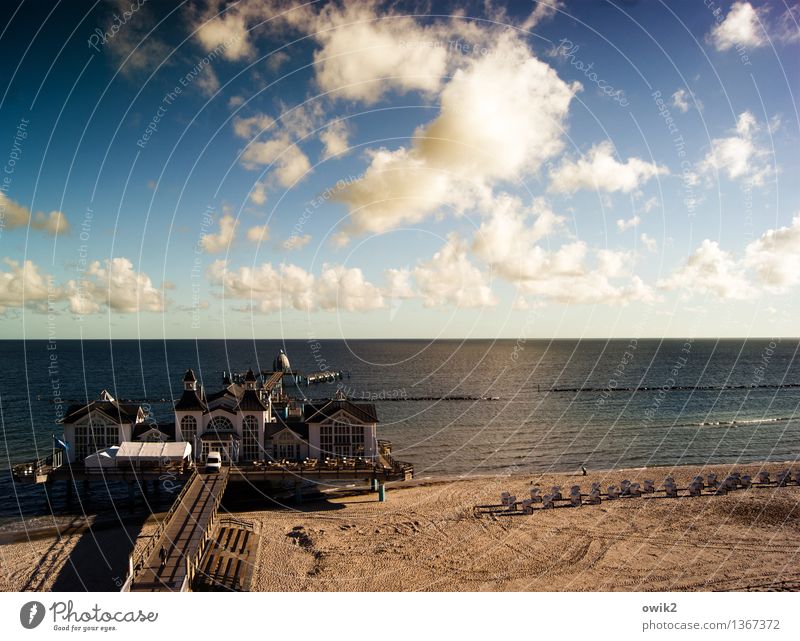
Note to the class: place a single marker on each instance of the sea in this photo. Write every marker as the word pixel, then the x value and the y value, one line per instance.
pixel 450 407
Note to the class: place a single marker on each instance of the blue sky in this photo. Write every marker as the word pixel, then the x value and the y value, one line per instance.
pixel 511 170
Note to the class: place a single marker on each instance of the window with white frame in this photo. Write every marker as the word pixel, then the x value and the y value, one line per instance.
pixel 189 429
pixel 93 436
pixel 250 439
pixel 342 439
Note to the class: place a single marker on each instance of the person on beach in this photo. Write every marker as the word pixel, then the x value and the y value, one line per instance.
pixel 162 553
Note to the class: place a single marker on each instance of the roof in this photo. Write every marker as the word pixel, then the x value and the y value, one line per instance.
pixel 167 429
pixel 250 402
pixel 189 377
pixel 190 401
pixel 250 376
pixel 298 427
pixel 364 412
pixel 113 409
pixel 130 451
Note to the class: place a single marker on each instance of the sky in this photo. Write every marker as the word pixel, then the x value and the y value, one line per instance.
pixel 274 169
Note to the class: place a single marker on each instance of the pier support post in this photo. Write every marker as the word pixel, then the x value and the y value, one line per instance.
pixel 68 491
pixel 382 493
pixel 373 484
pixel 131 492
pixel 298 495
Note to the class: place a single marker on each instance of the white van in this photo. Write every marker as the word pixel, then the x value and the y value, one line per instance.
pixel 213 462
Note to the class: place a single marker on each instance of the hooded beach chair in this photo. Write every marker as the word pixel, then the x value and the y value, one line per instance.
pixel 649 486
pixel 556 493
pixel 613 492
pixel 536 497
pixel 763 477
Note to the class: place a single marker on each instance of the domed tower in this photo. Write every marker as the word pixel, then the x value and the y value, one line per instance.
pixel 281 363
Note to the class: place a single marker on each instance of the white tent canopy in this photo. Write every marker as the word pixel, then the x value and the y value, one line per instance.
pixel 135 452
pixel 103 458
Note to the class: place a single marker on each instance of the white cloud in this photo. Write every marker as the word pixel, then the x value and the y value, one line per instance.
pixel 268 289
pixel 710 270
pixel 252 126
pixel 23 285
pixel 343 288
pixel 296 241
pixel 235 101
pixel 775 257
pixel 624 225
pixel 258 233
pixel 500 118
pixel 335 138
pixel 398 284
pixel 258 196
pixel 449 278
pixel 507 239
pixel 53 223
pixel 226 31
pixel 116 285
pixel 680 100
pixel 741 155
pixel 219 242
pixel 599 170
pixel 649 243
pixel 13 215
pixel 207 81
pixel 739 28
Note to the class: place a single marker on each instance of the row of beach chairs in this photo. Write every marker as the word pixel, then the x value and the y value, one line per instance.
pixel 626 488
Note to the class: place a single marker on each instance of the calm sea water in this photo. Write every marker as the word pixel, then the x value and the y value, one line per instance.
pixel 534 405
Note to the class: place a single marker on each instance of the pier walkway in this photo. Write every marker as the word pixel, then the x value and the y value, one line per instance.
pixel 183 536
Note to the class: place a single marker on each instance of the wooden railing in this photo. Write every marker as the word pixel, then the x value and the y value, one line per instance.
pixel 193 560
pixel 135 563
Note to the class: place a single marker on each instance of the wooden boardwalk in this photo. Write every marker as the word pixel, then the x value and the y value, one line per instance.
pixel 183 538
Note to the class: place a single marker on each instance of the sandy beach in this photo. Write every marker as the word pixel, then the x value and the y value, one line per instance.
pixel 427 536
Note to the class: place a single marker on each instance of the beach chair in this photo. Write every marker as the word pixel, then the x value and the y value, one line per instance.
pixel 649 486
pixel 556 493
pixel 594 497
pixel 670 489
pixel 624 487
pixel 695 488
pixel 512 503
pixel 595 486
pixel 613 492
pixel 527 506
pixel 746 481
pixel 635 489
pixel 722 488
pixel 536 497
pixel 504 496
pixel 763 477
pixel 575 489
pixel 731 483
pixel 784 478
pixel 575 500
pixel 712 481
pixel 547 501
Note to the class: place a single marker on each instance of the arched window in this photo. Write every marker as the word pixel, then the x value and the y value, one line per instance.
pixel 189 429
pixel 250 438
pixel 221 424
